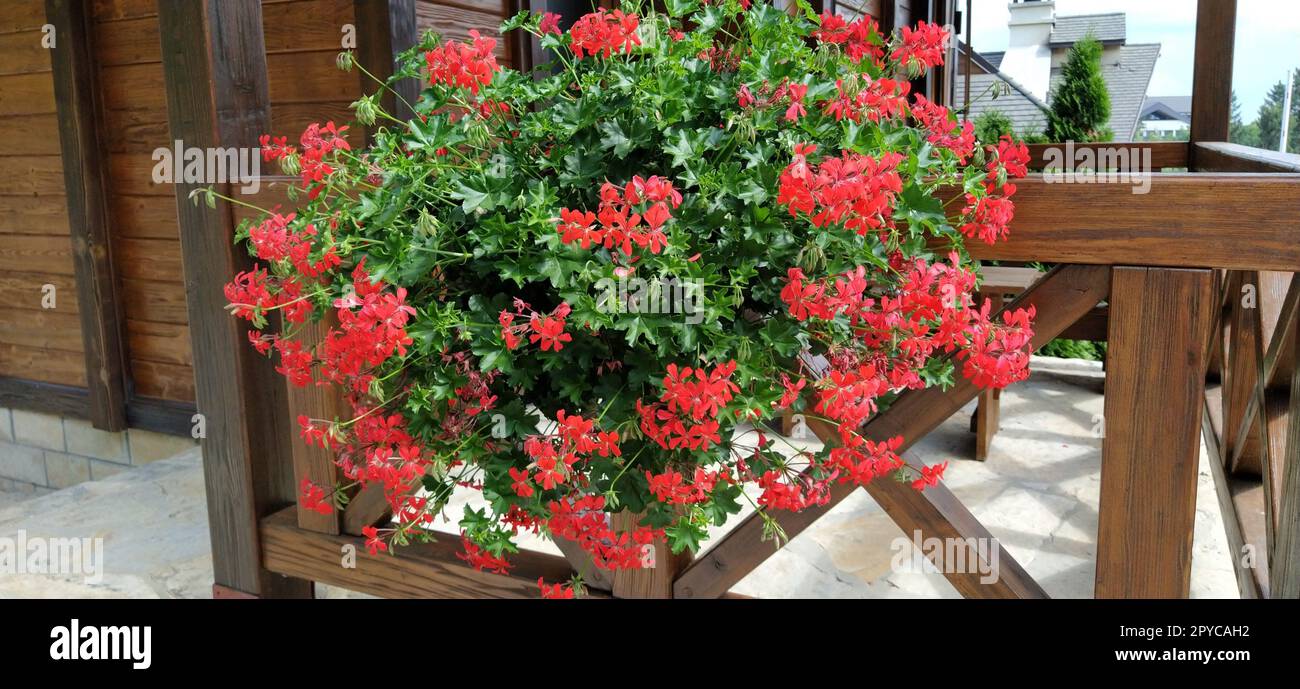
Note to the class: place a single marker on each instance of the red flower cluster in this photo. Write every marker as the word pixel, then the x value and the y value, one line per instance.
pixel 860 39
pixel 604 33
pixel 876 100
pixel 546 329
pixel 372 328
pixel 463 65
pixel 944 130
pixel 686 414
pixel 275 241
pixel 554 456
pixel 555 591
pixel 989 217
pixel 856 190
pixel 670 488
pixel 582 519
pixel 922 47
pixel 620 223
pixel 481 559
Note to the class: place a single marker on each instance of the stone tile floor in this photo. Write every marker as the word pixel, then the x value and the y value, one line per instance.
pixel 1037 494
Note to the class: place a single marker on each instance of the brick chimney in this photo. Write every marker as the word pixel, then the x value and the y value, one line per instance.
pixel 1028 59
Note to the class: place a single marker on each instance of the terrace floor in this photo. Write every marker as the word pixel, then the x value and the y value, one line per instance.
pixel 1037 494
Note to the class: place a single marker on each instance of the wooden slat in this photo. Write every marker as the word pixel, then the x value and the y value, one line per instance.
pixel 1205 220
pixel 988 415
pixel 163 381
pixel 24 53
pixel 1277 316
pixel 35 214
pixel 36 254
pixel 309 78
pixel 367 508
pixel 32 175
pixel 41 329
pixel 1060 297
pixel 161 302
pixel 1219 156
pixel 166 343
pixel 26 94
pixel 32 135
pixel 113 10
pixel 313 463
pixel 27 290
pixel 305 25
pixel 1250 583
pixel 1244 366
pixel 134 88
pixel 1216 31
pixel 215 76
pixel 102 325
pixel 39 364
pixel 1284 581
pixel 1163 154
pixel 129 42
pixel 420 571
pixel 1155 371
pixel 22 15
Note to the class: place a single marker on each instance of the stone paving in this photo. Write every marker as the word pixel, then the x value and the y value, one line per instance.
pixel 1037 494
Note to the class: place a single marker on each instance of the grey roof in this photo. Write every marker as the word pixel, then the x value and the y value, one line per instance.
pixel 1168 107
pixel 999 92
pixel 1107 28
pixel 994 59
pixel 1127 72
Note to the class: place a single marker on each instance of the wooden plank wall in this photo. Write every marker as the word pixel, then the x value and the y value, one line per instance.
pixel 35 249
pixel 303 38
pixel 142 214
pixel 454 19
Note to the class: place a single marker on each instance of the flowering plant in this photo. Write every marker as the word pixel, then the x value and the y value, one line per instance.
pixel 472 262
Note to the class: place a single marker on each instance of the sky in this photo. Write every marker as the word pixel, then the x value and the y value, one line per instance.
pixel 1267 43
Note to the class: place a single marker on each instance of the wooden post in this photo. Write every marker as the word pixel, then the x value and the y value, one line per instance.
pixel 385 28
pixel 1160 321
pixel 988 413
pixel 214 64
pixel 655 580
pixel 84 167
pixel 1216 29
pixel 1284 558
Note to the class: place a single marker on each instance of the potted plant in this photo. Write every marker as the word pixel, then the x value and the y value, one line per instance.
pixel 584 290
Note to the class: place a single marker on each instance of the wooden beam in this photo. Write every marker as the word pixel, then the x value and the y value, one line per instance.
pixel 655 579
pixel 84 168
pixel 214 65
pixel 367 508
pixel 1060 297
pixel 1248 583
pixel 1284 560
pixel 313 463
pixel 1216 31
pixel 428 570
pixel 1277 332
pixel 385 28
pixel 1218 156
pixel 1163 154
pixel 1160 323
pixel 1239 221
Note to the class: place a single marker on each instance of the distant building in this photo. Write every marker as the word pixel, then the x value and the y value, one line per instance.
pixel 1019 82
pixel 1166 116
